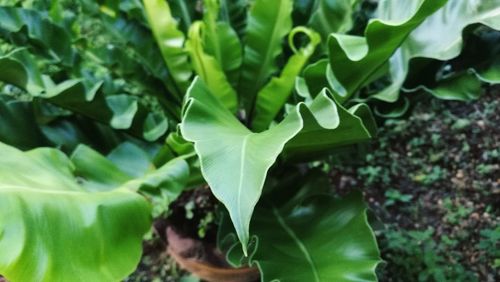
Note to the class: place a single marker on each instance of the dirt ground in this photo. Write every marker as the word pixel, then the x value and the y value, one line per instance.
pixel 433 185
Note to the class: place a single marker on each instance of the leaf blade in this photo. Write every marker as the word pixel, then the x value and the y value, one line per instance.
pixel 30 205
pixel 230 154
pixel 170 40
pixel 355 59
pixel 268 23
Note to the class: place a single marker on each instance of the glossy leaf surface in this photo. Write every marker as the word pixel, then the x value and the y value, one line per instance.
pixel 235 160
pixel 268 23
pixel 355 59
pixel 273 96
pixel 438 37
pixel 93 195
pixel 170 40
pixel 325 239
pixel 331 16
pixel 209 69
pixel 45 216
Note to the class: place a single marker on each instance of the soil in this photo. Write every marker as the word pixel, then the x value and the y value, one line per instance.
pixel 443 165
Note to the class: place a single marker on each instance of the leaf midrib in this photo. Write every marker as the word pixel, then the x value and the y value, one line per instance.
pixel 267 54
pixel 297 241
pixel 242 169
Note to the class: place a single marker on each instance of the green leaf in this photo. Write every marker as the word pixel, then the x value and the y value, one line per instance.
pixel 164 185
pixel 155 125
pixel 31 124
pixel 327 125
pixel 235 161
pixel 120 111
pixel 274 94
pixel 124 108
pixel 222 42
pixel 234 12
pixel 315 76
pixel 22 72
pixel 185 11
pixel 466 86
pixel 50 38
pixel 131 159
pixel 18 126
pixel 231 48
pixel 268 23
pixel 97 172
pixel 140 46
pixel 491 74
pixel 355 59
pixel 160 185
pixel 331 16
pixel 45 213
pixel 320 75
pixel 443 43
pixel 323 238
pixel 170 40
pixel 209 69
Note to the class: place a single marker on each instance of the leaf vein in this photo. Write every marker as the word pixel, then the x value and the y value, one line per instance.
pixel 299 244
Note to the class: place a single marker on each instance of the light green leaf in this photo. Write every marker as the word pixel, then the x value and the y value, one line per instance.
pixel 131 159
pixel 209 69
pixel 301 89
pixel 170 40
pixel 274 94
pixel 331 16
pixel 327 125
pixel 354 60
pixel 164 185
pixel 323 238
pixel 438 37
pixel 44 212
pixel 222 42
pixel 124 108
pixel 154 126
pixel 268 23
pixel 97 172
pixel 161 186
pixel 235 161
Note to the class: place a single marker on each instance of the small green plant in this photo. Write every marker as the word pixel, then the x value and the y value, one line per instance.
pixel 417 256
pixel 393 196
pixel 455 212
pixel 490 239
pixel 432 175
